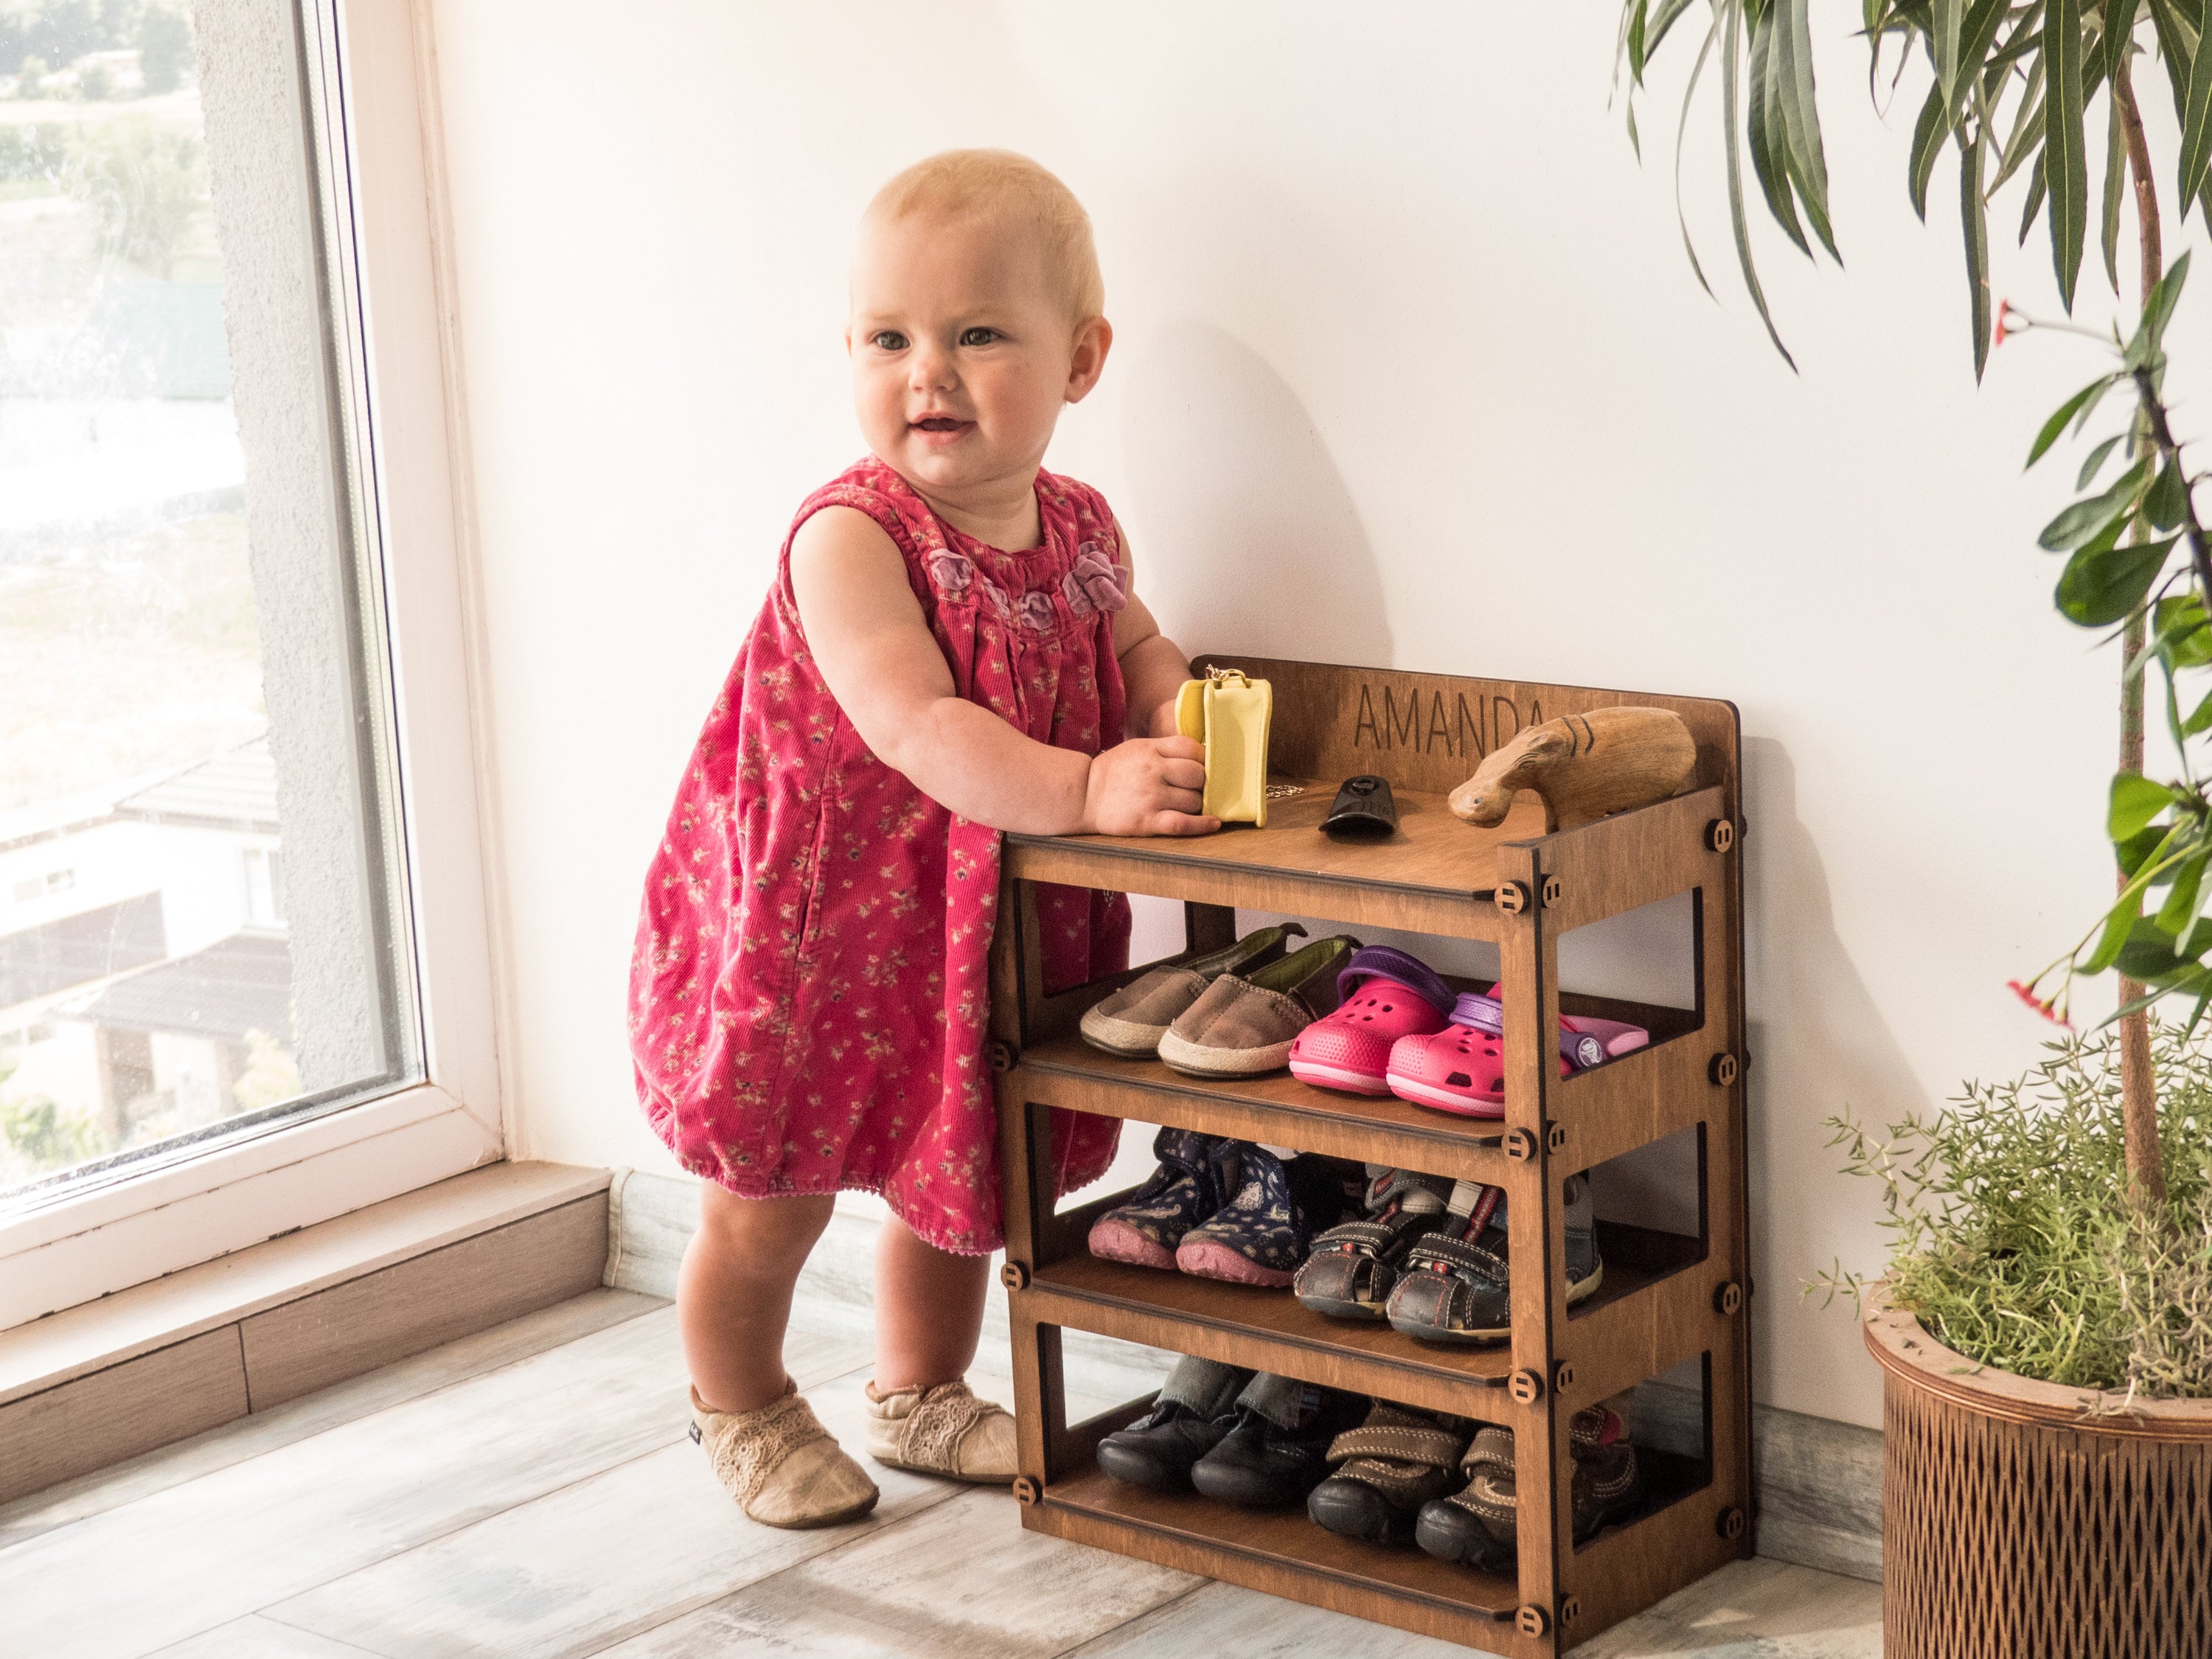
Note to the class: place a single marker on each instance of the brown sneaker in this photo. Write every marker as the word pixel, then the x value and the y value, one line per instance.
pixel 1131 1021
pixel 943 1430
pixel 1244 1027
pixel 781 1465
pixel 1479 1525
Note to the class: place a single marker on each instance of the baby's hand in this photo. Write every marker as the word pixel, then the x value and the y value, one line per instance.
pixel 1148 787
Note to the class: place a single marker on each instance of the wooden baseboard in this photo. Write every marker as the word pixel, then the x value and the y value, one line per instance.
pixel 1817 1483
pixel 96 1384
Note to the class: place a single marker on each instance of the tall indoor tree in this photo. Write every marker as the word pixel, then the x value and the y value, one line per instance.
pixel 2015 91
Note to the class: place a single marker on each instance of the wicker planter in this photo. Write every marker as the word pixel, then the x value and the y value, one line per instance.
pixel 2017 1524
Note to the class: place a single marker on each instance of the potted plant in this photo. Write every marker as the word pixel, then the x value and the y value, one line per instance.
pixel 2046 1325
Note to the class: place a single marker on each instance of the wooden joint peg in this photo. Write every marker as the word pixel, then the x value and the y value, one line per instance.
pixel 1571 1608
pixel 1512 897
pixel 1728 1299
pixel 1526 1387
pixel 1720 835
pixel 1730 1524
pixel 1025 1490
pixel 1562 1376
pixel 1520 1145
pixel 1002 1056
pixel 1014 1276
pixel 1552 889
pixel 1555 1137
pixel 1531 1621
pixel 1723 1071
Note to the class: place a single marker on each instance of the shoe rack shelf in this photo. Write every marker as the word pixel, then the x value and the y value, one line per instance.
pixel 1665 1299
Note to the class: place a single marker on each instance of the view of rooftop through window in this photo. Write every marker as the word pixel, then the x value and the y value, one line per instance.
pixel 153 770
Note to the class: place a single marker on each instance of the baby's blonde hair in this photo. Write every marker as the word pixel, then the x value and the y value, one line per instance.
pixel 998 183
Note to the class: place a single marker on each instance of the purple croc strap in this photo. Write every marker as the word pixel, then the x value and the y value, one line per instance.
pixel 1486 1014
pixel 1382 962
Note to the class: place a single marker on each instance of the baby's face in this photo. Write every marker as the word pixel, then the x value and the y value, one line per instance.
pixel 964 352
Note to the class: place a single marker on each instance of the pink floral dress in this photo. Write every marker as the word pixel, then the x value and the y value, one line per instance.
pixel 810 992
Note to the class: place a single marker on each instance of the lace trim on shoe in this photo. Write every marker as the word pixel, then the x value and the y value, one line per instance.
pixel 744 1447
pixel 937 1424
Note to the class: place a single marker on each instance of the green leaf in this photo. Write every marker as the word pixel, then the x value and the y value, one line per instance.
pixel 2084 519
pixel 2103 586
pixel 2201 721
pixel 2181 904
pixel 2167 501
pixel 1974 215
pixel 1662 18
pixel 2029 124
pixel 2116 179
pixel 2177 49
pixel 2182 637
pixel 2150 338
pixel 2035 189
pixel 1946 22
pixel 2136 801
pixel 2118 921
pixel 1764 92
pixel 2134 851
pixel 2076 404
pixel 2096 461
pixel 1977 31
pixel 1682 127
pixel 1808 165
pixel 2196 128
pixel 1636 25
pixel 1731 21
pixel 2064 160
pixel 1928 135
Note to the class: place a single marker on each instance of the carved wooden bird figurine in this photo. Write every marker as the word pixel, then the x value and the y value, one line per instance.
pixel 1584 766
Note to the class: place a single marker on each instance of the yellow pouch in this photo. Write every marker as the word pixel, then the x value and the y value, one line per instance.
pixel 1227 712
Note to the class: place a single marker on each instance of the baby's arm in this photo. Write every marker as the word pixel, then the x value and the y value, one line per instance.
pixel 1153 667
pixel 885 667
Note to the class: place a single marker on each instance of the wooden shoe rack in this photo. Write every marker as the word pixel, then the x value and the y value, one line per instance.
pixel 1667 1299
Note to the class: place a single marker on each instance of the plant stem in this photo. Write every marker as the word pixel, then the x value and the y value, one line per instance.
pixel 2138 1077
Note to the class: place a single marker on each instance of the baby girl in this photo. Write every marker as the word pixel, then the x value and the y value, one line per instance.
pixel 953 646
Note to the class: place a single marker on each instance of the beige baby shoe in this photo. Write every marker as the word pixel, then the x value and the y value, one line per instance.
pixel 1131 1021
pixel 1244 1027
pixel 781 1465
pixel 943 1430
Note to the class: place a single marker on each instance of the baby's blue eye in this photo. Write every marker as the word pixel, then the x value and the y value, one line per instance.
pixel 976 337
pixel 890 340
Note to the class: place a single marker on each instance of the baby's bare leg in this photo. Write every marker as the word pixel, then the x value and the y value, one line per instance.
pixel 929 1309
pixel 734 1293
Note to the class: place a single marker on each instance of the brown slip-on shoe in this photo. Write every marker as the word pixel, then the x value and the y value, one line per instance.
pixel 1131 1021
pixel 781 1465
pixel 1244 1027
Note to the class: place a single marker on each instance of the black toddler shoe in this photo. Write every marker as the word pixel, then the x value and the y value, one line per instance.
pixel 1262 1466
pixel 1157 1451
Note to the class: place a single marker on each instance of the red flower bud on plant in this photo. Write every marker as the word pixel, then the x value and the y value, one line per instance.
pixel 2048 1009
pixel 2004 327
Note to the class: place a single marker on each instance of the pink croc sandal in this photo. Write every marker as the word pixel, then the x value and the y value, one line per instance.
pixel 1386 995
pixel 1461 1068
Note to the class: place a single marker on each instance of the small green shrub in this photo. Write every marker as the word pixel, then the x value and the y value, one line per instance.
pixel 2015 1239
pixel 144 187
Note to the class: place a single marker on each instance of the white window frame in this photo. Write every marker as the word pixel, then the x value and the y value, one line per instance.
pixel 377 70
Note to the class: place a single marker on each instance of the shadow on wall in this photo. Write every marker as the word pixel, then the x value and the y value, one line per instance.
pixel 1251 540
pixel 1818 1042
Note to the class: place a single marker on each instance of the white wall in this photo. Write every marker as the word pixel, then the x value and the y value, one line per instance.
pixel 1411 371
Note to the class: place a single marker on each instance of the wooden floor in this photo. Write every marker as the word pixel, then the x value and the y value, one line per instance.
pixel 531 1492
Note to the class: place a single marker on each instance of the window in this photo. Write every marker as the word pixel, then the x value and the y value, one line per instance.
pixel 199 787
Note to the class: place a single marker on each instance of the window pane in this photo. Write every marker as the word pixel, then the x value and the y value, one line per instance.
pixel 201 927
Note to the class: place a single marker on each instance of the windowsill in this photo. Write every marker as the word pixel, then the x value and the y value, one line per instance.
pixel 43 1353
